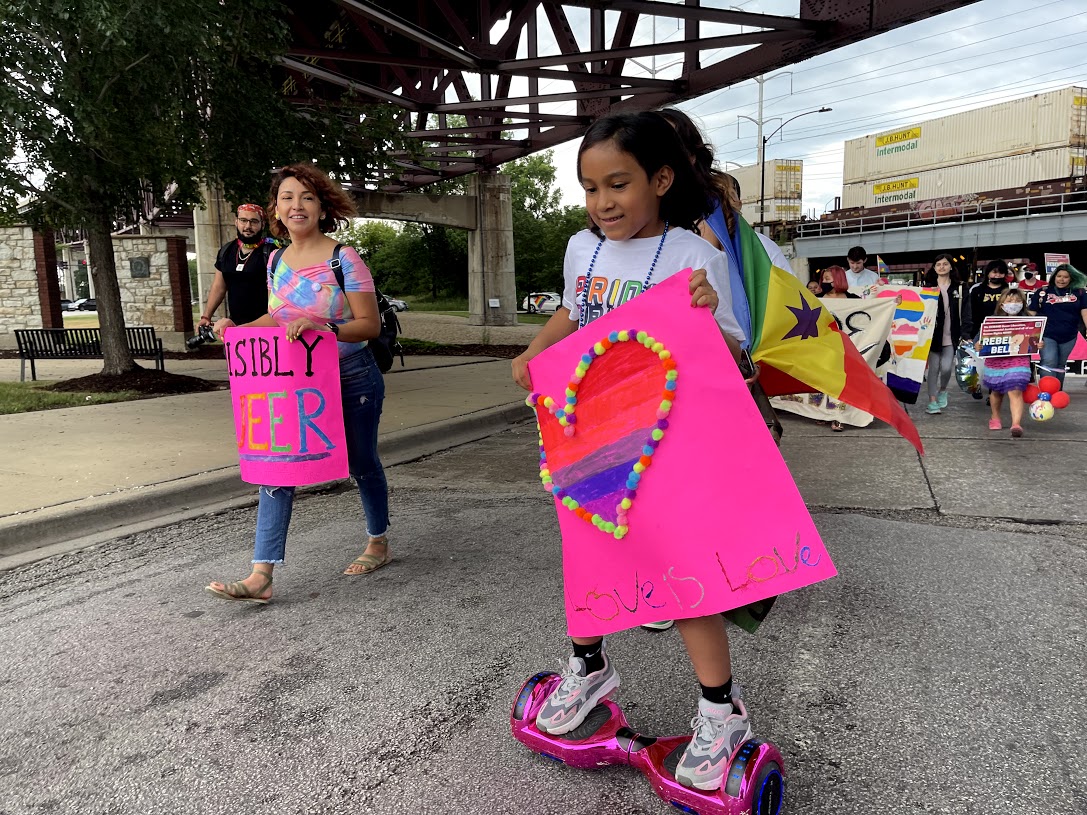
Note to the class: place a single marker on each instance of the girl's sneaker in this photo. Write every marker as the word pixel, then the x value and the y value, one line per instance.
pixel 663 625
pixel 576 696
pixel 941 399
pixel 718 731
pixel 933 407
pixel 994 424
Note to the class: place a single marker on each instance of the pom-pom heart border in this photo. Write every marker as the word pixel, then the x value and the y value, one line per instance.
pixel 567 418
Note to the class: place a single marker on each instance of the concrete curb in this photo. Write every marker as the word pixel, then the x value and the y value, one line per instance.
pixel 145 507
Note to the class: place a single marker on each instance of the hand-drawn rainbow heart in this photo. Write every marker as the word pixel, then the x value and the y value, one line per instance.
pixel 595 449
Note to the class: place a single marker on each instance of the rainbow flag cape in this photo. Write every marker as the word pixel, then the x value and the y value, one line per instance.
pixel 798 344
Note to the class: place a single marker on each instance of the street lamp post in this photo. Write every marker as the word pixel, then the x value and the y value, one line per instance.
pixel 762 166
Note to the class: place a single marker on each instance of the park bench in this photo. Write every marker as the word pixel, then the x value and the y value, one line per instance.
pixel 81 343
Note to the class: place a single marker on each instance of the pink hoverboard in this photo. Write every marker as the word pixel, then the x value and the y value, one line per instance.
pixel 753 785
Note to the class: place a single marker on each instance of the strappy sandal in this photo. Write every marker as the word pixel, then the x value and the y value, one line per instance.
pixel 239 591
pixel 369 563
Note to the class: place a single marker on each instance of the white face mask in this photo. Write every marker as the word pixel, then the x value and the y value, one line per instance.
pixel 1013 308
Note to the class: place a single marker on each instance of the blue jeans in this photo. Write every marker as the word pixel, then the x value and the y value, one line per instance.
pixel 1055 357
pixel 363 392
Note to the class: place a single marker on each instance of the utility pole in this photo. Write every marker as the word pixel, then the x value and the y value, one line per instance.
pixel 762 80
pixel 758 122
pixel 762 158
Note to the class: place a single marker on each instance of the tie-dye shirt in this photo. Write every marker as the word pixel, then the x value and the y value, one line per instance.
pixel 313 292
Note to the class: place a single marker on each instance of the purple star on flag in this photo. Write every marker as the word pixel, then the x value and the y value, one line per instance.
pixel 807 321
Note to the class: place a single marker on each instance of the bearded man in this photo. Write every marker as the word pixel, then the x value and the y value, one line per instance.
pixel 241 271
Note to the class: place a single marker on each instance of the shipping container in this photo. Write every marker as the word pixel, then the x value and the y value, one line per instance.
pixel 784 180
pixel 1041 122
pixel 789 209
pixel 968 179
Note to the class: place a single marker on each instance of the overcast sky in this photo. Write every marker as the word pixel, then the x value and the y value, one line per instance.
pixel 990 51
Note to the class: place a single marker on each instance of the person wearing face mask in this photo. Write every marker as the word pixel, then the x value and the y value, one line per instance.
pixel 941 359
pixel 1008 376
pixel 982 298
pixel 833 283
pixel 1064 303
pixel 1030 283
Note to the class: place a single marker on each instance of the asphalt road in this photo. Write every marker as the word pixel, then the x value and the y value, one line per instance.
pixel 941 672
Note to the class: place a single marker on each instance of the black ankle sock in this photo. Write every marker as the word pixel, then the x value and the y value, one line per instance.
pixel 592 655
pixel 718 695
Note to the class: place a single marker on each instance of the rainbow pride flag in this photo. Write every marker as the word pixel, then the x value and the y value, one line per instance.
pixel 882 270
pixel 798 344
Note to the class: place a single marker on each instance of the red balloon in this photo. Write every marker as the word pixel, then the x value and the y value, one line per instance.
pixel 1030 393
pixel 1050 384
pixel 1060 400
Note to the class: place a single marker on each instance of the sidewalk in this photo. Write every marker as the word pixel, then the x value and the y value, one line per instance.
pixel 77 471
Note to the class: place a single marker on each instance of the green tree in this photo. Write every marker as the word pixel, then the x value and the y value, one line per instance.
pixel 113 107
pixel 402 266
pixel 541 228
pixel 368 238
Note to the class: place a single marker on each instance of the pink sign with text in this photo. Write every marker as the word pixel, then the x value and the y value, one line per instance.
pixel 288 418
pixel 673 500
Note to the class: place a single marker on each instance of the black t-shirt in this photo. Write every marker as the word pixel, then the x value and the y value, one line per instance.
pixel 1062 309
pixel 246 281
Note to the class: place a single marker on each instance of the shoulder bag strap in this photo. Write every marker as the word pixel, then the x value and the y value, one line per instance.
pixel 276 257
pixel 337 266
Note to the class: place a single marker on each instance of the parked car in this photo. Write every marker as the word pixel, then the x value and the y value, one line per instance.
pixel 542 302
pixel 398 305
pixel 73 305
pixel 88 305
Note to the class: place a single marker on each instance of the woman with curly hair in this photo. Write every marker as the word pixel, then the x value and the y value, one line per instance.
pixel 305 294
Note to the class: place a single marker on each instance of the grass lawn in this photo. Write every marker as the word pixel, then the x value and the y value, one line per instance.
pixel 522 319
pixel 442 304
pixel 89 319
pixel 23 397
pixel 81 319
pixel 533 319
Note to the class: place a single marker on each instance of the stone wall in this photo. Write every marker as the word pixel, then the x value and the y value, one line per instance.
pixel 154 289
pixel 145 300
pixel 20 306
pixel 152 299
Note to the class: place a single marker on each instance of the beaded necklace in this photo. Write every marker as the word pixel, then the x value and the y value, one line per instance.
pixel 581 298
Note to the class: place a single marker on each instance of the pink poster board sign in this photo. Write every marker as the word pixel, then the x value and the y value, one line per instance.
pixel 288 418
pixel 714 522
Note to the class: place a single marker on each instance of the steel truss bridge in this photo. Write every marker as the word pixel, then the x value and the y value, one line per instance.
pixel 478 83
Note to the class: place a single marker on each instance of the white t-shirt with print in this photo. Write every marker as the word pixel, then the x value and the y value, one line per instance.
pixel 865 277
pixel 621 268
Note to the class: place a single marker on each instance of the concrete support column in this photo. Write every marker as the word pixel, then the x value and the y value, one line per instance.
pixel 492 289
pixel 45 264
pixel 213 225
